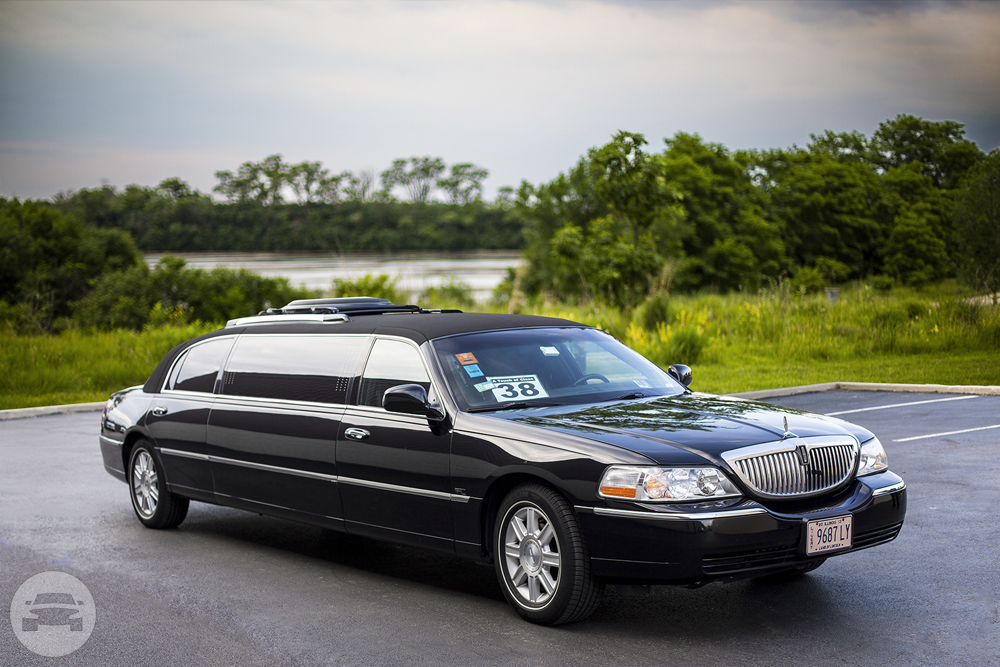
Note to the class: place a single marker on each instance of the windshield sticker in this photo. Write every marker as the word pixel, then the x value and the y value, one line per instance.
pixel 484 386
pixel 466 358
pixel 517 388
pixel 549 351
pixel 642 383
pixel 473 371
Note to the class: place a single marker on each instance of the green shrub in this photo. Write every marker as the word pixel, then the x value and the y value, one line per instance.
pixel 128 299
pixel 453 294
pixel 808 280
pixel 379 287
pixel 881 283
pixel 652 312
pixel 686 346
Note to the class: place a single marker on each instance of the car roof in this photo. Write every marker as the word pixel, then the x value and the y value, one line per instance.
pixel 417 326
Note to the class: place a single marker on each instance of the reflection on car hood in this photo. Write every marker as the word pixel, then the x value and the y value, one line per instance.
pixel 703 425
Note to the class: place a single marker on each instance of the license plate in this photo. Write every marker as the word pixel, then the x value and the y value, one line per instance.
pixel 824 535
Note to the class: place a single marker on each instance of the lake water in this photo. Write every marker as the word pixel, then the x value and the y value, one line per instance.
pixel 414 272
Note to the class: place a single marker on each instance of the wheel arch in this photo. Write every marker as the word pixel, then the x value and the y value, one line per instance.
pixel 495 494
pixel 128 443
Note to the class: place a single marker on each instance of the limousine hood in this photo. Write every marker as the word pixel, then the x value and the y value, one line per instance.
pixel 701 424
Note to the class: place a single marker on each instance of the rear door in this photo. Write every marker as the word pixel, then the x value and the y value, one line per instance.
pixel 272 433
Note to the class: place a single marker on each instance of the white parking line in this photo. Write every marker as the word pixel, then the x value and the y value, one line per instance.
pixel 899 405
pixel 938 435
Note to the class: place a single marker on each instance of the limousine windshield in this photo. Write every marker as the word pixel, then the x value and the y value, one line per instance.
pixel 546 367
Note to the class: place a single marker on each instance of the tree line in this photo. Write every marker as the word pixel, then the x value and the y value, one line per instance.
pixel 273 206
pixel 915 202
pixel 272 179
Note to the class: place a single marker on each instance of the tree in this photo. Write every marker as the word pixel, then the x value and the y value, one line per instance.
pixel 505 197
pixel 255 182
pixel 417 175
pixel 977 223
pixel 630 181
pixel 605 262
pixel 360 187
pixel 49 259
pixel 722 235
pixel 174 189
pixel 914 253
pixel 841 145
pixel 940 147
pixel 465 184
pixel 826 208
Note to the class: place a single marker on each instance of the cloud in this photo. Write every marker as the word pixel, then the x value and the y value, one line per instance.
pixel 523 88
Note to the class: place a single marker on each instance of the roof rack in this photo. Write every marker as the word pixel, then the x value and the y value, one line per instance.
pixel 330 310
pixel 354 305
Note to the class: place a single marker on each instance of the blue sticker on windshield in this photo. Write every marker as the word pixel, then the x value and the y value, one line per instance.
pixel 473 370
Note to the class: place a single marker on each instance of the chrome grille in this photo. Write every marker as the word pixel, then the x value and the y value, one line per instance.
pixel 776 470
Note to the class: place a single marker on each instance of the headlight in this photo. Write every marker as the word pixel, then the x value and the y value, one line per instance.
pixel 873 458
pixel 659 484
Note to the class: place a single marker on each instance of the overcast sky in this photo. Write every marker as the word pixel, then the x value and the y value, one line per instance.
pixel 136 92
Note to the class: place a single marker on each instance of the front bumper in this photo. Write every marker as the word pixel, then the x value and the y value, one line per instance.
pixel 654 544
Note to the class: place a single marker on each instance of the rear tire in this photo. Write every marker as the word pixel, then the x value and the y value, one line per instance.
pixel 540 558
pixel 155 506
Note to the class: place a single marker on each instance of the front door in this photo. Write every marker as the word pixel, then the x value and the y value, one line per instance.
pixel 394 469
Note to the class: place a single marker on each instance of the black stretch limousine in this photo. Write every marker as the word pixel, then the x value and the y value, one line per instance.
pixel 538 444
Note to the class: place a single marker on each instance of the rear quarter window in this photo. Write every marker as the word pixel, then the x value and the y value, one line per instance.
pixel 199 367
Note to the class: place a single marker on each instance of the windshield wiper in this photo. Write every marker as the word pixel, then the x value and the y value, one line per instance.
pixel 510 406
pixel 625 397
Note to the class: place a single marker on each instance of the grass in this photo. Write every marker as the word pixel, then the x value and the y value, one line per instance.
pixel 776 337
pixel 80 367
pixel 736 342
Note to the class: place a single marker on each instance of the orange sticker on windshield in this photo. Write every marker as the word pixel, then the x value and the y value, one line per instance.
pixel 466 358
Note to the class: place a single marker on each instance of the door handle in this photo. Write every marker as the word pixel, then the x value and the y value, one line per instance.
pixel 357 433
pixel 159 411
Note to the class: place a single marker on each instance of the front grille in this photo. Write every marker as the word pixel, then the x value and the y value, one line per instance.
pixel 777 472
pixel 879 536
pixel 749 560
pixel 762 558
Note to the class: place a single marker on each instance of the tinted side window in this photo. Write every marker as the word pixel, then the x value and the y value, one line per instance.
pixel 297 368
pixel 391 363
pixel 200 366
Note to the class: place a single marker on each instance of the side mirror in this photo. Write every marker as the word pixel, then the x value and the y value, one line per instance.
pixel 411 399
pixel 681 373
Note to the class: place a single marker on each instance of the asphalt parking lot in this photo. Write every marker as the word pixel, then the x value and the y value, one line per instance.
pixel 234 588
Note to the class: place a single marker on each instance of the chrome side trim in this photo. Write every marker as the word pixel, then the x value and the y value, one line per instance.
pixel 181 453
pixel 898 486
pixel 110 441
pixel 280 507
pixel 269 468
pixel 425 493
pixel 332 409
pixel 679 516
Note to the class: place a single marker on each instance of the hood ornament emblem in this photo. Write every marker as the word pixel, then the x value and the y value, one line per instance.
pixel 801 451
pixel 788 434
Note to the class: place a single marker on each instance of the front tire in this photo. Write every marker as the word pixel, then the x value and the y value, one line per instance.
pixel 155 506
pixel 540 558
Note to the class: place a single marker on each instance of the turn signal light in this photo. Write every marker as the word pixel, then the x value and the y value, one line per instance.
pixel 618 492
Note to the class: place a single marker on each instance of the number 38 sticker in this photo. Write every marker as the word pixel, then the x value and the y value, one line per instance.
pixel 517 388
